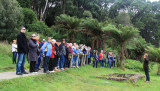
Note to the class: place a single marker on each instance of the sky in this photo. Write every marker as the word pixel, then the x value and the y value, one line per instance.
pixel 153 0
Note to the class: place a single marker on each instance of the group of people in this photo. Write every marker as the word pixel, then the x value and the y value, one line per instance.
pixel 102 58
pixel 54 54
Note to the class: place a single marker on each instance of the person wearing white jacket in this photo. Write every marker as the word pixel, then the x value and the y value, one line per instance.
pixel 14 51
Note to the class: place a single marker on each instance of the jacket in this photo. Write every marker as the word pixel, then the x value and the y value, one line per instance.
pixel 96 56
pixel 49 49
pixel 145 64
pixel 33 48
pixel 101 56
pixel 70 50
pixel 22 43
pixel 53 51
pixel 14 47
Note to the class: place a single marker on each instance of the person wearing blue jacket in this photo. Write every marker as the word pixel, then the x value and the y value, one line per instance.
pixel 110 59
pixel 76 51
pixel 47 52
pixel 96 57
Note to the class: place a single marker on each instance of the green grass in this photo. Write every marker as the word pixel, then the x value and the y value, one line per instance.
pixel 6 58
pixel 77 79
pixel 80 79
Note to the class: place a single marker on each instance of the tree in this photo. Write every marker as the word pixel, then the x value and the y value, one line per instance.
pixel 70 24
pixel 94 28
pixel 122 35
pixel 11 19
pixel 154 53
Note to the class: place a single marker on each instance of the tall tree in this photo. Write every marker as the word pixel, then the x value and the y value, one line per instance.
pixel 122 35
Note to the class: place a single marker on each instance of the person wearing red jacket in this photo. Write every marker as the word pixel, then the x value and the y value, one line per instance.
pixel 101 58
pixel 52 61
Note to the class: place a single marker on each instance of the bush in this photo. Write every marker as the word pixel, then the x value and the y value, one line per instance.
pixel 29 16
pixel 40 27
pixel 133 64
pixel 11 19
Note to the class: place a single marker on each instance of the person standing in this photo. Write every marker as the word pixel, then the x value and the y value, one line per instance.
pixel 14 51
pixel 62 50
pixel 33 50
pixel 101 58
pixel 89 55
pixel 110 59
pixel 52 61
pixel 67 62
pixel 57 55
pixel 39 54
pixel 22 51
pixel 146 67
pixel 96 57
pixel 47 52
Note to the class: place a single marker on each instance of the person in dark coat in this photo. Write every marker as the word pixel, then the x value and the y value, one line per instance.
pixel 96 59
pixel 62 51
pixel 146 67
pixel 33 50
pixel 67 62
pixel 22 51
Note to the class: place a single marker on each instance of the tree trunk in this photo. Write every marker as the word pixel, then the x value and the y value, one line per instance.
pixel 43 12
pixel 158 73
pixel 97 42
pixel 122 56
pixel 103 43
pixel 64 6
pixel 93 42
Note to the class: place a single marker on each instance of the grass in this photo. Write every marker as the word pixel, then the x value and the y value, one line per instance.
pixel 6 58
pixel 77 79
pixel 80 79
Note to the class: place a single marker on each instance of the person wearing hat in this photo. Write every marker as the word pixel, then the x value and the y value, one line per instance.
pixel 22 51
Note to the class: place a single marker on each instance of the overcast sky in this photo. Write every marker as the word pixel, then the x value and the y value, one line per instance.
pixel 153 0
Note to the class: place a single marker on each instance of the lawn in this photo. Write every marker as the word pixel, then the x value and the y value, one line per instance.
pixel 75 79
pixel 6 58
pixel 80 79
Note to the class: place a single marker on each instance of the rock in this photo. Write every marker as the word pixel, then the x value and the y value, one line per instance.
pixel 121 77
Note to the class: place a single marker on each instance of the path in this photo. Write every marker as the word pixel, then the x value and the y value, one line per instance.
pixel 12 74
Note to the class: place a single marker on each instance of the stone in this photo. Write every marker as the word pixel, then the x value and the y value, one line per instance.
pixel 121 77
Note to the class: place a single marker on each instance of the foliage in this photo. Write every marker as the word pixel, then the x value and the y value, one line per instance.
pixel 80 79
pixel 69 24
pixel 39 27
pixel 134 65
pixel 11 19
pixel 6 58
pixel 29 16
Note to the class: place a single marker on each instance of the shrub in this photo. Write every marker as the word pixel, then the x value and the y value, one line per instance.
pixel 11 19
pixel 40 27
pixel 29 16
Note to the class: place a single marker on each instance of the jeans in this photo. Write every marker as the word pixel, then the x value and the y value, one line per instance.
pixel 61 62
pixel 39 62
pixel 14 57
pixel 74 59
pixel 102 63
pixel 105 62
pixel 66 64
pixel 113 63
pixel 147 74
pixel 110 63
pixel 46 62
pixel 20 63
pixel 95 63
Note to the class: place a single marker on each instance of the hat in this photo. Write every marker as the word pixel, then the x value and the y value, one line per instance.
pixel 44 40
